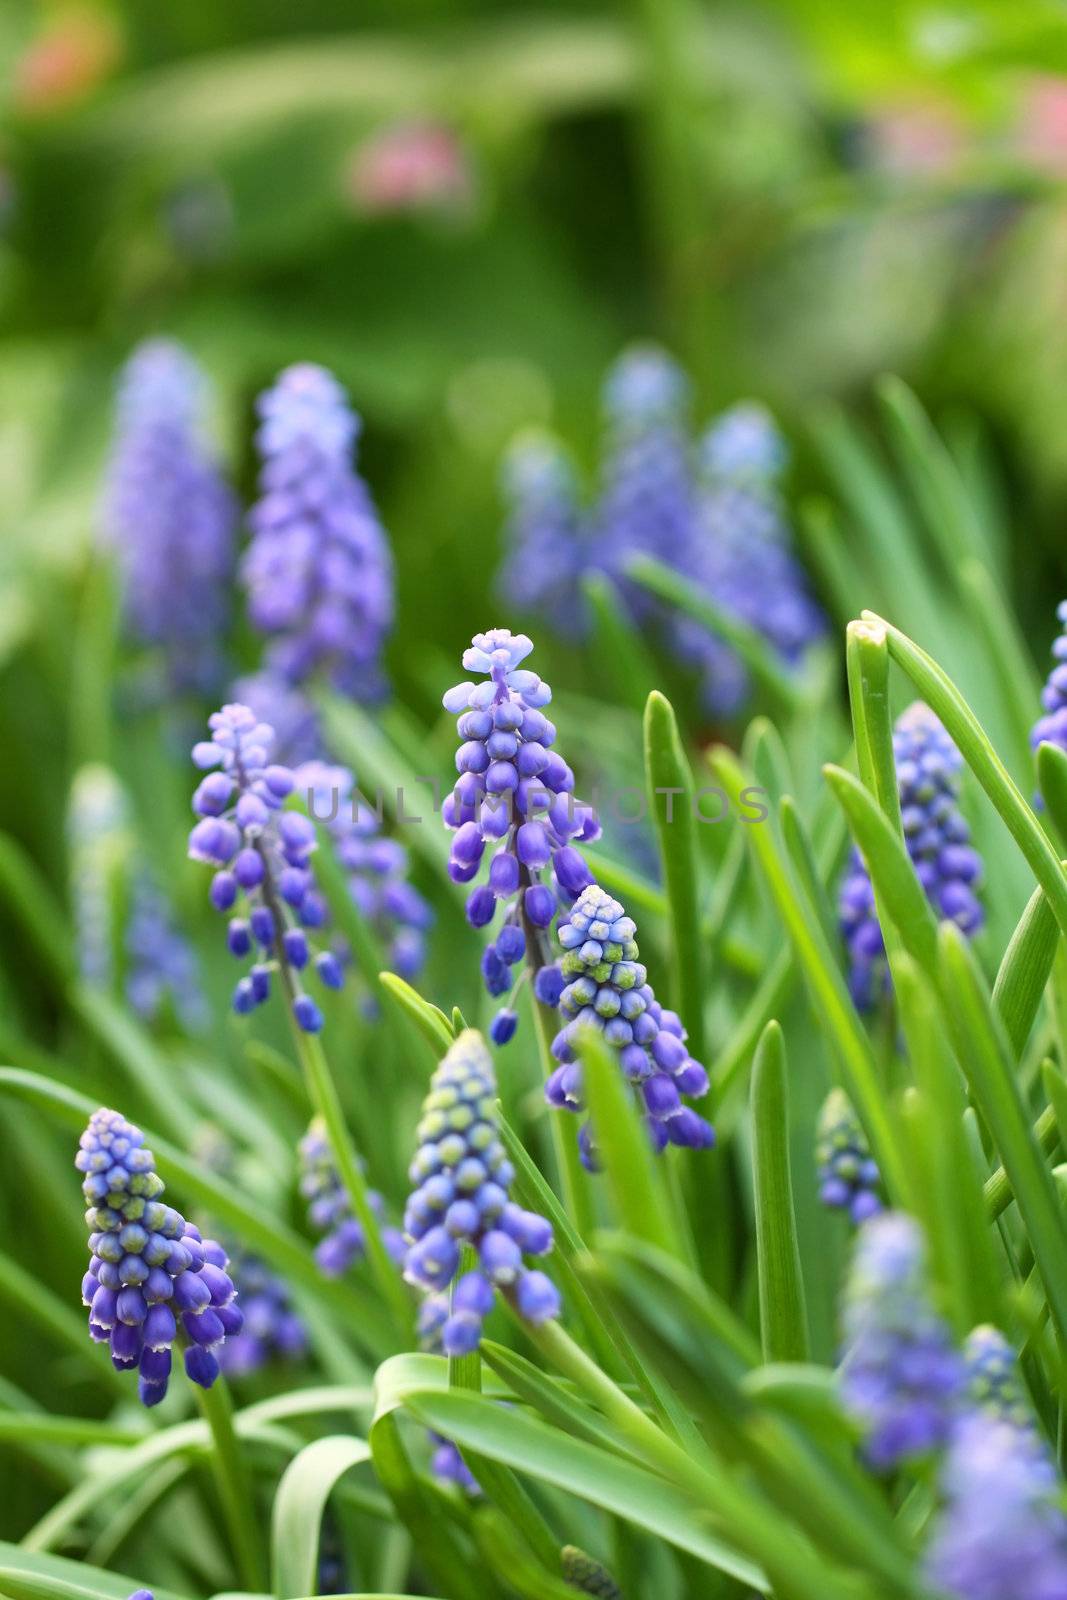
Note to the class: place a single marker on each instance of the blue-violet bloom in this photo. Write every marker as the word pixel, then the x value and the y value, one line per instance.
pixel 152 1280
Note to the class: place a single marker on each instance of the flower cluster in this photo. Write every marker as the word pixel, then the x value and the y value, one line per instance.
pixel 900 1376
pixel 1002 1534
pixel 993 1381
pixel 169 514
pixel 514 794
pixel 938 840
pixel 272 1329
pixel 330 1208
pixel 377 866
pixel 152 1280
pixel 711 511
pixel 262 853
pixel 848 1176
pixel 545 536
pixel 1051 727
pixel 318 571
pixel 648 496
pixel 462 1176
pixel 601 984
pixel 161 966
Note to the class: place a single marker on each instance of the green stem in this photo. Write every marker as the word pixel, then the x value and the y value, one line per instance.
pixel 234 1485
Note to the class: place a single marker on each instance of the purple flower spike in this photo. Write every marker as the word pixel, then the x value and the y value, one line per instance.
pixel 265 854
pixel 1002 1534
pixel 938 840
pixel 513 805
pixel 330 1209
pixel 900 1377
pixel 170 516
pixel 462 1176
pixel 318 572
pixel 147 1264
pixel 601 984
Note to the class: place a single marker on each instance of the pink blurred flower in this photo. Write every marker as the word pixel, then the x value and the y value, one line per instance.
pixel 68 59
pixel 1041 135
pixel 925 138
pixel 410 166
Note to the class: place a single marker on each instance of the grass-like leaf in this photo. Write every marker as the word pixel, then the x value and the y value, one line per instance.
pixel 984 1053
pixel 783 1316
pixel 671 802
pixel 299 1503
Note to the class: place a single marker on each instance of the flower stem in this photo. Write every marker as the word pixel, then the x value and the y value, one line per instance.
pixel 234 1485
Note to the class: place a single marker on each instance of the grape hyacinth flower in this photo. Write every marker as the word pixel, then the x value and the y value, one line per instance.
pixel 648 495
pixel 900 1377
pixel 318 572
pixel 514 795
pixel 994 1383
pixel 848 1175
pixel 261 854
pixel 152 1280
pixel 744 445
pixel 330 1208
pixel 938 841
pixel 462 1176
pixel 545 536
pixel 272 1329
pixel 169 514
pixel 377 865
pixel 604 986
pixel 161 966
pixel 1051 727
pixel 446 1462
pixel 740 554
pixel 1002 1534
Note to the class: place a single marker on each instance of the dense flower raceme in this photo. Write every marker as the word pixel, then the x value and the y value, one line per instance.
pixel 600 983
pixel 272 1330
pixel 546 536
pixel 740 554
pixel 263 854
pixel 297 734
pixel 152 1280
pixel 993 1381
pixel 318 572
pixel 461 1177
pixel 711 511
pixel 169 514
pixel 848 1175
pixel 330 1208
pixel 515 800
pixel 648 494
pixel 900 1377
pixel 938 840
pixel 1051 727
pixel 1002 1534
